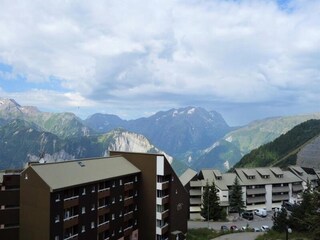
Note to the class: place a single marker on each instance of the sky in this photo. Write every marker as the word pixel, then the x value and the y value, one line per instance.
pixel 246 59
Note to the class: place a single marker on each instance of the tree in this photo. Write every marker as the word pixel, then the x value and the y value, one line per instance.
pixel 300 214
pixel 215 209
pixel 205 202
pixel 211 209
pixel 236 201
pixel 280 221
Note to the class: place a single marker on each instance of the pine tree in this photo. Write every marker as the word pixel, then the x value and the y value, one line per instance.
pixel 215 209
pixel 211 209
pixel 236 202
pixel 205 202
pixel 280 220
pixel 300 213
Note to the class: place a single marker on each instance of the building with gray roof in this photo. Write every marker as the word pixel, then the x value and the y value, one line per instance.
pixel 265 187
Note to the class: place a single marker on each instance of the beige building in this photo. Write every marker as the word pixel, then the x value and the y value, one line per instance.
pixel 262 187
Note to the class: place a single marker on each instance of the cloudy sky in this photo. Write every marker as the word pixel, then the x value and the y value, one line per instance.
pixel 245 59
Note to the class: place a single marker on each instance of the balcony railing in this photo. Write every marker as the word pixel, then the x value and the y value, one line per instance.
pixel 71 237
pixel 162 185
pixel 162 200
pixel 162 229
pixel 70 198
pixel 128 186
pixel 128 201
pixel 71 217
pixel 100 224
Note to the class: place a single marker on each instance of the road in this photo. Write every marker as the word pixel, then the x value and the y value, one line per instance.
pixel 239 236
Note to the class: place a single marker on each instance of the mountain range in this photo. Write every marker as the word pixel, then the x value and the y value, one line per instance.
pixel 190 136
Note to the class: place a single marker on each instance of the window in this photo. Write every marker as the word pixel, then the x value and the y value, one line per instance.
pixel 136 207
pixel 56 237
pixel 93 206
pixel 120 182
pixel 92 225
pixel 120 214
pixel 113 199
pixel 120 230
pixel 136 193
pixel 113 184
pixel 93 188
pixel 112 216
pixel 135 222
pixel 57 219
pixel 136 178
pixel 84 191
pixel 83 228
pixel 83 210
pixel 120 198
pixel 57 197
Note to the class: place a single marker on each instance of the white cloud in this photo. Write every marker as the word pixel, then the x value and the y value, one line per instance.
pixel 107 52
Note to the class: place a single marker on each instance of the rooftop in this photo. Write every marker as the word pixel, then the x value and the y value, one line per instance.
pixel 71 173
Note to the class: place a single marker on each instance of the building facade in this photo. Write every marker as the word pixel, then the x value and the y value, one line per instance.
pixel 9 204
pixel 164 202
pixel 261 187
pixel 124 196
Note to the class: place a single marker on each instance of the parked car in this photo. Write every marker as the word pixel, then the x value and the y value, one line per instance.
pixel 247 215
pixel 234 228
pixel 265 228
pixel 256 229
pixel 288 206
pixel 224 228
pixel 261 212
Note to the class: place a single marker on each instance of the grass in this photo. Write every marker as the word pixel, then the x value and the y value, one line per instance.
pixel 273 235
pixel 202 234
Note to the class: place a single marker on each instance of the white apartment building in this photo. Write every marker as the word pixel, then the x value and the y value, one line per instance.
pixel 265 187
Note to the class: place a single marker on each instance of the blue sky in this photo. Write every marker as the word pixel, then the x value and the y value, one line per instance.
pixel 245 59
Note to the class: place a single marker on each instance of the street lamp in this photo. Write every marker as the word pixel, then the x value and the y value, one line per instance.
pixel 208 218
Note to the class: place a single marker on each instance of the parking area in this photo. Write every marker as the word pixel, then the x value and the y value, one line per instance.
pixel 235 220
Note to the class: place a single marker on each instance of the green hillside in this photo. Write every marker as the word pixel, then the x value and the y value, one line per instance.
pixel 282 151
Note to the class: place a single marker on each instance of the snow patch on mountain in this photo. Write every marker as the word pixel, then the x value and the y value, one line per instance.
pixel 216 144
pixel 191 111
pixel 229 139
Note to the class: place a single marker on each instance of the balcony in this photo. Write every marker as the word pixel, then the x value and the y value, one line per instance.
pixel 9 216
pixel 253 191
pixel 196 184
pixel 195 201
pixel 162 215
pixel 297 188
pixel 259 199
pixel 70 221
pixel 280 197
pixel 280 189
pixel 162 200
pixel 103 210
pixel 103 226
pixel 162 229
pixel 9 196
pixel 195 192
pixel 128 201
pixel 74 236
pixel 71 202
pixel 128 186
pixel 127 216
pixel 162 185
pixel 105 192
pixel 127 231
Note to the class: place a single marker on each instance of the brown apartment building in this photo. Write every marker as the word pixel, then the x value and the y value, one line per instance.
pixel 9 204
pixel 164 202
pixel 124 196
